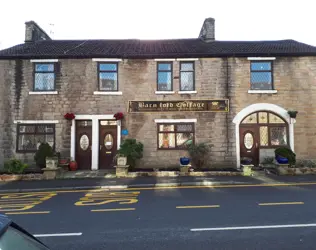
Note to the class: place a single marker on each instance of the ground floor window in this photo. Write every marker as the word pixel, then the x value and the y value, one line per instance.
pixel 30 136
pixel 175 135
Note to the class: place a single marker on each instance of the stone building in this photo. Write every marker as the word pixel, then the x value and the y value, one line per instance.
pixel 233 95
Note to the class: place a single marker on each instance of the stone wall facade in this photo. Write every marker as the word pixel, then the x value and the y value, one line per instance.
pixel 215 78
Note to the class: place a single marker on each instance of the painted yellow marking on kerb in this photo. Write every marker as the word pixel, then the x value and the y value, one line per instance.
pixel 95 199
pixel 280 203
pixel 207 206
pixel 113 209
pixel 37 212
pixel 180 187
pixel 20 202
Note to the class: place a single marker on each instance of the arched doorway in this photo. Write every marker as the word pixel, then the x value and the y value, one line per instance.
pixel 260 133
pixel 245 115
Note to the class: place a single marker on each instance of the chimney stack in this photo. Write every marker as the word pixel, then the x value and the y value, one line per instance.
pixel 34 33
pixel 207 32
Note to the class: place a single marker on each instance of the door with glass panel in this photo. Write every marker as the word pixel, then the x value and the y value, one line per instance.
pixel 107 144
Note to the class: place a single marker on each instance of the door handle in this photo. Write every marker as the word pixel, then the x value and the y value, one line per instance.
pixel 100 147
pixel 256 144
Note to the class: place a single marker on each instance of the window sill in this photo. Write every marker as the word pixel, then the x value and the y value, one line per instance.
pixel 43 93
pixel 187 92
pixel 107 93
pixel 164 92
pixel 274 91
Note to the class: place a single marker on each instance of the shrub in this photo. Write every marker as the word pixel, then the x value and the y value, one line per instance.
pixel 132 150
pixel 287 153
pixel 44 150
pixel 198 153
pixel 14 166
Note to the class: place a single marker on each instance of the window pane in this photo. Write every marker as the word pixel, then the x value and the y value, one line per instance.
pixel 44 67
pixel 164 81
pixel 167 140
pixel 275 119
pixel 263 117
pixel 186 66
pixel 278 135
pixel 186 81
pixel 166 127
pixel 164 66
pixel 184 139
pixel 261 81
pixel 108 66
pixel 185 128
pixel 264 66
pixel 44 81
pixel 251 118
pixel 27 143
pixel 27 129
pixel 264 136
pixel 108 81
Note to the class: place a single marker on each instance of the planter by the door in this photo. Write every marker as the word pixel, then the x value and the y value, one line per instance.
pixel 73 166
pixel 184 161
pixel 247 170
pixel 282 160
pixel 121 170
pixel 51 162
pixel 121 161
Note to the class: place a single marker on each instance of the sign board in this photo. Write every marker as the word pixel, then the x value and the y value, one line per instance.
pixel 220 105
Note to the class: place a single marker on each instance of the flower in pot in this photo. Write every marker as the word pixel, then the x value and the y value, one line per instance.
pixel 246 161
pixel 69 116
pixel 73 166
pixel 292 113
pixel 184 161
pixel 119 116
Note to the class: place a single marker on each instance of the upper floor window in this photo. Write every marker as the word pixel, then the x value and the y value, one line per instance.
pixel 164 76
pixel 175 135
pixel 44 77
pixel 30 136
pixel 108 76
pixel 261 75
pixel 187 77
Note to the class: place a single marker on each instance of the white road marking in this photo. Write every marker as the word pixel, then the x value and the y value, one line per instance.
pixel 57 235
pixel 252 227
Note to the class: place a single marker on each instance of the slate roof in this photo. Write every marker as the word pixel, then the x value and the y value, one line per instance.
pixel 172 48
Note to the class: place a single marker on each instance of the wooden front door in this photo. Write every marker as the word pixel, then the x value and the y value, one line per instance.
pixel 249 143
pixel 107 145
pixel 83 144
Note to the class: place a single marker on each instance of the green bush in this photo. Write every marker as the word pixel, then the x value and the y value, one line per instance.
pixel 287 153
pixel 198 154
pixel 14 166
pixel 132 150
pixel 44 150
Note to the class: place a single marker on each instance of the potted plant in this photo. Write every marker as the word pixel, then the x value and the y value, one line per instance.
pixel 184 164
pixel 246 161
pixel 198 153
pixel 285 155
pixel 45 156
pixel 119 116
pixel 132 150
pixel 73 166
pixel 292 113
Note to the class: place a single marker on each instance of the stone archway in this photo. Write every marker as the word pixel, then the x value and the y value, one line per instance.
pixel 262 107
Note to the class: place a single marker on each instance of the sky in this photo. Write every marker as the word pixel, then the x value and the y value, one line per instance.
pixel 159 19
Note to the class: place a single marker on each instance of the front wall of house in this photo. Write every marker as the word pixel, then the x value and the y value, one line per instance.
pixel 295 81
pixel 76 81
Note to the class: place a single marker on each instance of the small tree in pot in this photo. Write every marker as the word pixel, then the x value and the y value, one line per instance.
pixel 198 153
pixel 44 152
pixel 132 150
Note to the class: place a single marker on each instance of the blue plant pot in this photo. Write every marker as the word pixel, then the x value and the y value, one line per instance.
pixel 184 161
pixel 282 160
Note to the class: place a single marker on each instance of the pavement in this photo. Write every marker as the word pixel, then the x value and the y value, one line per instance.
pixel 235 217
pixel 139 182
